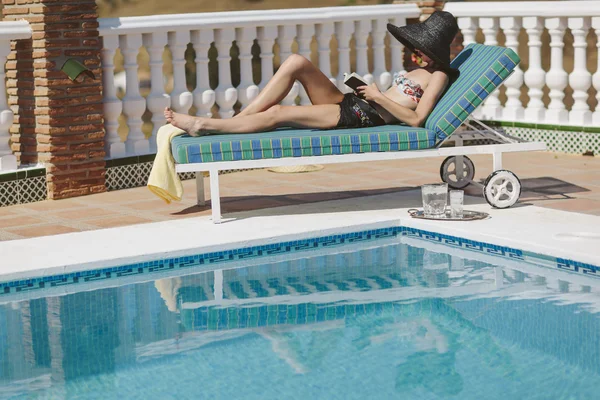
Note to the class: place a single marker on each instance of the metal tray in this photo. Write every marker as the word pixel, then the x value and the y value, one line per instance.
pixel 467 215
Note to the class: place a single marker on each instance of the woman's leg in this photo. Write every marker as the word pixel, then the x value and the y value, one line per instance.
pixel 319 88
pixel 322 116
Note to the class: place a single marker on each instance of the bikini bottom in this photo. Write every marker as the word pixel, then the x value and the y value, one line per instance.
pixel 357 113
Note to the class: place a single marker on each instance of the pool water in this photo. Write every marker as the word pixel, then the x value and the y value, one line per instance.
pixel 390 321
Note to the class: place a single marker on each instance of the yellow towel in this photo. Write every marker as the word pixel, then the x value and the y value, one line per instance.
pixel 164 181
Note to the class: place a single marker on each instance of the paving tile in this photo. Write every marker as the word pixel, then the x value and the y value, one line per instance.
pixel 118 221
pixel 576 205
pixel 42 230
pixel 9 222
pixel 83 213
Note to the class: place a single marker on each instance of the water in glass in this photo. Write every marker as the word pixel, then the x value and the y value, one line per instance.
pixel 456 203
pixel 435 199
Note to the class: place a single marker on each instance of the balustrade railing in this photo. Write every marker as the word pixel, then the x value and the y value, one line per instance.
pixel 291 28
pixel 535 21
pixel 9 30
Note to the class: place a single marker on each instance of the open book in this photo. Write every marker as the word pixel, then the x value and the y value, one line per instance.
pixel 354 80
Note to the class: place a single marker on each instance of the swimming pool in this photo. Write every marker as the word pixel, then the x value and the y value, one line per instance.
pixel 382 318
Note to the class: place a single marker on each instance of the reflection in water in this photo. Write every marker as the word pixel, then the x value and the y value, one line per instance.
pixel 390 320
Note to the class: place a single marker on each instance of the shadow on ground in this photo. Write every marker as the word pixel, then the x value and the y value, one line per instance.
pixel 533 189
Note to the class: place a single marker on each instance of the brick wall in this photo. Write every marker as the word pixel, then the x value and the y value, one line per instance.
pixel 57 122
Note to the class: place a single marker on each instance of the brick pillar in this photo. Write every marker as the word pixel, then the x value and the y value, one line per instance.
pixel 57 122
pixel 427 8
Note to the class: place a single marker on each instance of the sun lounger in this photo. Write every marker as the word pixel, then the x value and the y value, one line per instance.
pixel 483 68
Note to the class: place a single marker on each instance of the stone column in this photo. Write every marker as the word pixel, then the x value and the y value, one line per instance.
pixel 58 122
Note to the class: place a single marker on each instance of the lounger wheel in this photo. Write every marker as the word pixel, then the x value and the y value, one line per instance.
pixel 448 172
pixel 502 189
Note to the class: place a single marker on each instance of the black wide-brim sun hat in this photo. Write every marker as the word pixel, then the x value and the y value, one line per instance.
pixel 431 37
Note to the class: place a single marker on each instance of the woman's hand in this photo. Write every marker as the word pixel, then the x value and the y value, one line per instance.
pixel 370 92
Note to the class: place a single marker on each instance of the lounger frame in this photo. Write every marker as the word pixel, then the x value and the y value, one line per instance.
pixel 506 144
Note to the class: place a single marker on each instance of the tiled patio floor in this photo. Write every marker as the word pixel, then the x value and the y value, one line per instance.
pixel 558 181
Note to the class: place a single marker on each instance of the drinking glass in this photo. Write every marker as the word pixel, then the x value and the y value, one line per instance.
pixel 456 203
pixel 435 199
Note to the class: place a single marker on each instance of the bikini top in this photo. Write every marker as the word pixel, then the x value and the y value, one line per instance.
pixel 408 87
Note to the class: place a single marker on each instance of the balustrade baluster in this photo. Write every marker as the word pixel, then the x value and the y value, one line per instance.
pixel 247 90
pixel 557 77
pixel 513 109
pixel 324 32
pixel 226 94
pixel 491 108
pixel 396 47
pixel 596 77
pixel 181 98
pixel 287 33
pixel 468 28
pixel 113 106
pixel 157 99
pixel 362 57
pixel 204 96
pixel 8 161
pixel 266 39
pixel 580 79
pixel 343 32
pixel 305 36
pixel 535 77
pixel 134 105
pixel 382 76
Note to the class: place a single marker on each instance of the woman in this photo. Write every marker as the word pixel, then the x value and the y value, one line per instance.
pixel 409 101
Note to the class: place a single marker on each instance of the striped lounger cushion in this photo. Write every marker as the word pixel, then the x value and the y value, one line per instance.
pixel 482 69
pixel 299 143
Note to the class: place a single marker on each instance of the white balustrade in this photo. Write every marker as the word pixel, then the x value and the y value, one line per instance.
pixel 285 39
pixel 181 98
pixel 134 104
pixel 580 79
pixel 396 47
pixel 491 108
pixel 513 109
pixel 226 94
pixel 266 41
pixel 556 17
pixel 535 77
pixel 157 99
pixel 247 90
pixel 305 36
pixel 204 96
pixel 221 29
pixel 596 76
pixel 112 104
pixel 383 78
pixel 343 33
pixel 556 78
pixel 324 33
pixel 362 59
pixel 8 31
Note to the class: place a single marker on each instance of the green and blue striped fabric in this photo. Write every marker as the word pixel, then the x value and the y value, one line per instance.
pixel 299 143
pixel 482 69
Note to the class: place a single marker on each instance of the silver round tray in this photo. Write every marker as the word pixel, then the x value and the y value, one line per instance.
pixel 467 215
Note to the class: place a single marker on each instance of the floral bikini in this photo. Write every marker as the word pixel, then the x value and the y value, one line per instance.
pixel 357 113
pixel 408 87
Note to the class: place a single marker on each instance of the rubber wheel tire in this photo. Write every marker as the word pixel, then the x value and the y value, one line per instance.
pixel 491 186
pixel 461 184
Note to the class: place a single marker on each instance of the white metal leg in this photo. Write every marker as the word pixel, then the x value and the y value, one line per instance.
pixel 215 199
pixel 200 188
pixel 497 160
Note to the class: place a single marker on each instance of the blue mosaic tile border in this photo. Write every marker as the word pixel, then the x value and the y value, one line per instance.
pixel 11 287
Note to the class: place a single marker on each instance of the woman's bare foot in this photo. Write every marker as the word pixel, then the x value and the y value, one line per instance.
pixel 192 125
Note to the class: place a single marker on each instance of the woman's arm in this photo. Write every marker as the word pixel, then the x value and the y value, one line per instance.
pixel 415 118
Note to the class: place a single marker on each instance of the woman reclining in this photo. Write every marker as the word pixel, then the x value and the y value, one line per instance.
pixel 411 98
